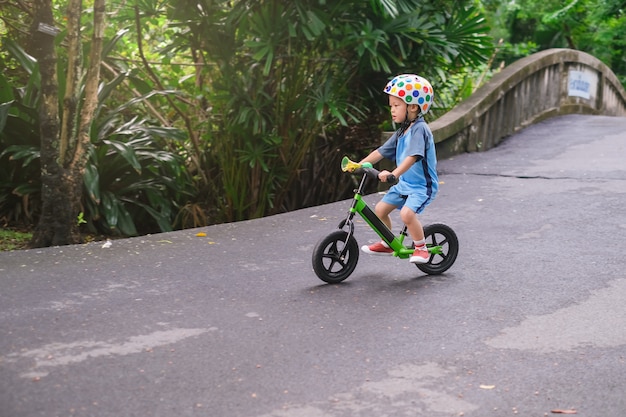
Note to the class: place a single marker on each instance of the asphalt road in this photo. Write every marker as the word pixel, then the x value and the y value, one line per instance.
pixel 530 320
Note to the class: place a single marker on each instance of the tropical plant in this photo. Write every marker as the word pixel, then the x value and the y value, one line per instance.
pixel 269 95
pixel 130 175
pixel 20 184
pixel 133 183
pixel 594 26
pixel 292 79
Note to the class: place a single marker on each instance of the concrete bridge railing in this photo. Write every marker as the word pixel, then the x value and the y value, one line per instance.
pixel 546 84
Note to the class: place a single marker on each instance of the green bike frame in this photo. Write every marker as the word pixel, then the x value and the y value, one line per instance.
pixel 395 242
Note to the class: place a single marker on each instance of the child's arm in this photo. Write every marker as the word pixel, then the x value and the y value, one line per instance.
pixel 400 169
pixel 404 166
pixel 373 158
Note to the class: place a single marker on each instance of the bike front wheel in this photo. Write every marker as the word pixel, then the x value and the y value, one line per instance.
pixel 443 245
pixel 335 257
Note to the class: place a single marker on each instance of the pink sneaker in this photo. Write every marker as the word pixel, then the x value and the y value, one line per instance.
pixel 379 248
pixel 420 256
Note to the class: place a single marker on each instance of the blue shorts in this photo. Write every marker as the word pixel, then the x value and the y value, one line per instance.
pixel 417 201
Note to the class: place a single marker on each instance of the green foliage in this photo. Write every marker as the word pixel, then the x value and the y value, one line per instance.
pixel 14 239
pixel 130 175
pixel 133 184
pixel 220 110
pixel 594 26
pixel 289 79
pixel 20 186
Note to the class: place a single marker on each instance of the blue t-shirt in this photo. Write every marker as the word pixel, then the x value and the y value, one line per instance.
pixel 416 141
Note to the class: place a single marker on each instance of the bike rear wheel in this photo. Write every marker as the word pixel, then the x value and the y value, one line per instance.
pixel 328 262
pixel 443 237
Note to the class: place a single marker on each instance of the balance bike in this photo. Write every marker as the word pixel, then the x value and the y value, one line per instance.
pixel 336 255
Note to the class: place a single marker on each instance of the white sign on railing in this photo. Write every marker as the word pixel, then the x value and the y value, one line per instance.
pixel 581 84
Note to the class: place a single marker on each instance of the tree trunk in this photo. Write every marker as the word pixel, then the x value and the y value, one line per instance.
pixel 56 206
pixel 63 159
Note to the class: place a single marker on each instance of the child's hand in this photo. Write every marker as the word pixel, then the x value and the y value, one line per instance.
pixel 382 176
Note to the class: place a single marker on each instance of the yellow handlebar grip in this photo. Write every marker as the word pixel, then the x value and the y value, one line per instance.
pixel 348 166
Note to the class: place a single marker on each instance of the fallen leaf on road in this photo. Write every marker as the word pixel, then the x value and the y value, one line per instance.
pixel 564 412
pixel 201 234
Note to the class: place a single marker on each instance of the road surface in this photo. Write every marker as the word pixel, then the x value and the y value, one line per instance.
pixel 530 321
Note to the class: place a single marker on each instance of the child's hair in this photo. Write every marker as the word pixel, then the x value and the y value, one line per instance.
pixel 412 89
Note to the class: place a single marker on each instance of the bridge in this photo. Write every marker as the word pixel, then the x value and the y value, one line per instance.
pixel 547 84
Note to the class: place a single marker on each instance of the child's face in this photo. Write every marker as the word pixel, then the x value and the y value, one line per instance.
pixel 398 109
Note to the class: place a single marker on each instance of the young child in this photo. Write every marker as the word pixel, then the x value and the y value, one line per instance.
pixel 412 148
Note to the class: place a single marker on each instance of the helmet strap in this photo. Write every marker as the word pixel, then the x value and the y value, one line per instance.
pixel 407 122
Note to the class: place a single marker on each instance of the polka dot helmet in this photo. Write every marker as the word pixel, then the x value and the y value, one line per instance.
pixel 413 89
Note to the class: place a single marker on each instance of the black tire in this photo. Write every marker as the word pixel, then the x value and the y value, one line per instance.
pixel 440 235
pixel 327 262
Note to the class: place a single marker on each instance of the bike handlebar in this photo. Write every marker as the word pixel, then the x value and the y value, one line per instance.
pixel 366 168
pixel 373 173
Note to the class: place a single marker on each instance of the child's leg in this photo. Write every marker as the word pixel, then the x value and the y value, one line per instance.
pixel 414 226
pixel 383 209
pixel 409 217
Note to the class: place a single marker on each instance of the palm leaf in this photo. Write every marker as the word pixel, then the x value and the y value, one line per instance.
pixel 126 151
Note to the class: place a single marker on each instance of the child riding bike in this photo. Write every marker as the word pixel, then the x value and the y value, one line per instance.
pixel 412 148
